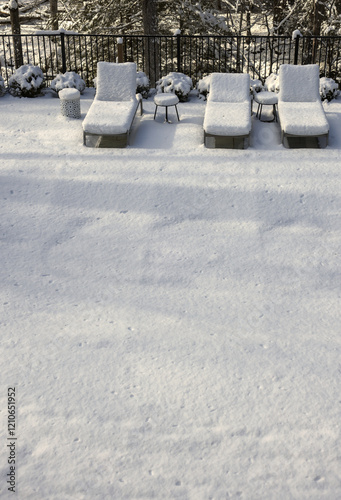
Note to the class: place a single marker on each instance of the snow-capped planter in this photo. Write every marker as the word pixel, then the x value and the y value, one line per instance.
pixel 70 102
pixel 142 84
pixel 68 80
pixel 2 87
pixel 27 81
pixel 329 89
pixel 203 87
pixel 177 83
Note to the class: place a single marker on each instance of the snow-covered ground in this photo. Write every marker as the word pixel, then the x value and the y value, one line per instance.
pixel 170 314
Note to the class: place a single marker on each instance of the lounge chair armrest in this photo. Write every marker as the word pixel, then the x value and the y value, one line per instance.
pixel 139 98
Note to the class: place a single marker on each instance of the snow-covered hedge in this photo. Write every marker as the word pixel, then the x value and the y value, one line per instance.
pixel 328 89
pixel 2 87
pixel 142 84
pixel 256 85
pixel 177 83
pixel 68 80
pixel 27 81
pixel 272 83
pixel 203 87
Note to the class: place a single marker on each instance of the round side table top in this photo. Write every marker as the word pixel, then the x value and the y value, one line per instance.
pixel 166 99
pixel 266 97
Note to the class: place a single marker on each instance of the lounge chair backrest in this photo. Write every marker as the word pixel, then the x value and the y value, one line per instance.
pixel 229 87
pixel 116 81
pixel 299 83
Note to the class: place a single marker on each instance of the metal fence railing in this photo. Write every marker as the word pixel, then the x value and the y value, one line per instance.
pixel 196 56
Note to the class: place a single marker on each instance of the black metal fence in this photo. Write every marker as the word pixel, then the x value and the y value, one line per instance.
pixel 196 56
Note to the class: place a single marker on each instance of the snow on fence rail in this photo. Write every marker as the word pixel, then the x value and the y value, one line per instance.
pixel 196 56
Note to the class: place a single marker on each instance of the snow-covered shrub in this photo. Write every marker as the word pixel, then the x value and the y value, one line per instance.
pixel 329 89
pixel 203 87
pixel 142 84
pixel 256 86
pixel 2 87
pixel 68 80
pixel 177 83
pixel 272 83
pixel 27 81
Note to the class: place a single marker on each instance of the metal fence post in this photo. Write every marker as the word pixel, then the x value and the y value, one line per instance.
pixel 178 52
pixel 297 44
pixel 62 43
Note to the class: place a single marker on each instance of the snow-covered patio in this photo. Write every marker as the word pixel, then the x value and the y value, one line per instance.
pixel 170 313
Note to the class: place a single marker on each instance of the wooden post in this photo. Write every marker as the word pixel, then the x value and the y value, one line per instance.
pixel 15 24
pixel 296 36
pixel 120 58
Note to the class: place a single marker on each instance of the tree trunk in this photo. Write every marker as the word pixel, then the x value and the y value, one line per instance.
pixel 15 24
pixel 54 14
pixel 319 12
pixel 278 13
pixel 248 19
pixel 150 28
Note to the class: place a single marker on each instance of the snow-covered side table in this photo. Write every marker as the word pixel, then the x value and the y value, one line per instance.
pixel 266 99
pixel 70 103
pixel 166 100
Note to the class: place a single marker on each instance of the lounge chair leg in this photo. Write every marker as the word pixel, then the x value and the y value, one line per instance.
pixel 176 109
pixel 275 112
pixel 167 114
pixel 155 111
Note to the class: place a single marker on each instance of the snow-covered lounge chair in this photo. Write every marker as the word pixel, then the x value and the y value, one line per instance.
pixel 301 114
pixel 227 122
pixel 114 107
